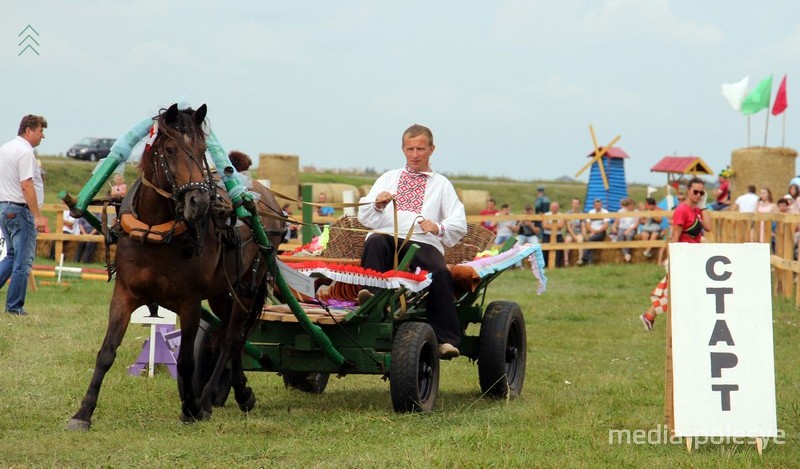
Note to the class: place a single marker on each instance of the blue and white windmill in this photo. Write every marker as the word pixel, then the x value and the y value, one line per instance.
pixel 607 175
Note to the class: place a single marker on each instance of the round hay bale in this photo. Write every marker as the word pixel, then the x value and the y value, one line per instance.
pixel 280 169
pixel 771 167
pixel 364 190
pixel 474 200
pixel 332 190
pixel 288 190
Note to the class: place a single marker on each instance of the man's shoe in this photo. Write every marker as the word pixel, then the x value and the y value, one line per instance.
pixel 648 324
pixel 448 351
pixel 17 313
pixel 364 295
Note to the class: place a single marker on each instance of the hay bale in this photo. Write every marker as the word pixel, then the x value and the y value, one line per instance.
pixel 289 190
pixel 771 167
pixel 280 169
pixel 474 200
pixel 332 190
pixel 364 190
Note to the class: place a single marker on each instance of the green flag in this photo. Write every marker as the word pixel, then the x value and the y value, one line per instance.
pixel 758 98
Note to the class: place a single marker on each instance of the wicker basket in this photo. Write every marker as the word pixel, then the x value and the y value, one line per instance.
pixel 347 241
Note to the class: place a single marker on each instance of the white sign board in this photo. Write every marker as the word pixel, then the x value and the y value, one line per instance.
pixel 722 349
pixel 141 315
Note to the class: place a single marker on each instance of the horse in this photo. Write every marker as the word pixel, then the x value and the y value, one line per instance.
pixel 178 247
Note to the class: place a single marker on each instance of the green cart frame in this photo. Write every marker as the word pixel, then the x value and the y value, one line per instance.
pixel 382 338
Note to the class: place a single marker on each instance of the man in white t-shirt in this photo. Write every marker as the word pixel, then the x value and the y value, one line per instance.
pixel 746 203
pixel 505 228
pixel 21 195
pixel 595 230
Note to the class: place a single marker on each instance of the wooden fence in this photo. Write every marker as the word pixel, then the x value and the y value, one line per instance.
pixel 728 227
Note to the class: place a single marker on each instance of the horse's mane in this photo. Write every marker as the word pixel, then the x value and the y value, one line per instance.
pixel 182 125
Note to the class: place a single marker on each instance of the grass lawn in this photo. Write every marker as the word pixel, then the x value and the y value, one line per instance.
pixel 591 368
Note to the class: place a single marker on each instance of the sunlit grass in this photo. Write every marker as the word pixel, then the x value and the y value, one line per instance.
pixel 591 368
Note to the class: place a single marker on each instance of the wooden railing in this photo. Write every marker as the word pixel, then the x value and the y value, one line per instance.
pixel 728 227
pixel 57 236
pixel 553 246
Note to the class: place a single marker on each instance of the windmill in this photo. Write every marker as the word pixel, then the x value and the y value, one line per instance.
pixel 607 177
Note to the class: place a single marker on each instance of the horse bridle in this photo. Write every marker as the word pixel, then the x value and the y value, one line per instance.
pixel 176 192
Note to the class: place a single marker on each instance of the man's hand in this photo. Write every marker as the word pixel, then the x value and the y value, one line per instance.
pixel 383 199
pixel 40 222
pixel 428 226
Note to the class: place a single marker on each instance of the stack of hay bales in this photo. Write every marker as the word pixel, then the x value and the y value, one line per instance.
pixel 283 172
pixel 771 167
pixel 474 200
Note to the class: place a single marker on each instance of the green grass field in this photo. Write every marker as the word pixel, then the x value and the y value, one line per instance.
pixel 591 368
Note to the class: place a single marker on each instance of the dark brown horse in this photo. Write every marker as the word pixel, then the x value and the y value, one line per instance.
pixel 179 248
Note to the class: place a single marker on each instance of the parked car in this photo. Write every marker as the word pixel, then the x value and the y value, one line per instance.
pixel 91 149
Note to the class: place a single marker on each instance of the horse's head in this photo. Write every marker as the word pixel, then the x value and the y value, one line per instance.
pixel 174 161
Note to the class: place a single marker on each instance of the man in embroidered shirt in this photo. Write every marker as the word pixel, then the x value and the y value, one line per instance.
pixel 427 204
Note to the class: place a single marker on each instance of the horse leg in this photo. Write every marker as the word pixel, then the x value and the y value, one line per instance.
pixel 243 393
pixel 190 321
pixel 230 350
pixel 122 305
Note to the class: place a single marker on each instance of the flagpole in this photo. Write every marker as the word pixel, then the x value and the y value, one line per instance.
pixel 766 128
pixel 783 134
pixel 748 130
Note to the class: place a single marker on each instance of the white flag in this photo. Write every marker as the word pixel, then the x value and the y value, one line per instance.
pixel 650 190
pixel 735 92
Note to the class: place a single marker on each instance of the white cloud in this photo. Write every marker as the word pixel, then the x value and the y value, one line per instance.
pixel 654 18
pixel 571 21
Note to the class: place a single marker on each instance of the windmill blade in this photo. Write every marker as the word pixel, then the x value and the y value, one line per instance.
pixel 603 170
pixel 594 139
pixel 600 162
pixel 596 152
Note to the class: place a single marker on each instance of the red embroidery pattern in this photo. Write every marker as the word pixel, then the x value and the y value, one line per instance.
pixel 410 192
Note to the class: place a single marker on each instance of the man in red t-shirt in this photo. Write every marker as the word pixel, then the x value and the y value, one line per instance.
pixel 689 221
pixel 723 194
pixel 491 209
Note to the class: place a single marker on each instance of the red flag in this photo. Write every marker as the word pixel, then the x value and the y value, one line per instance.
pixel 780 99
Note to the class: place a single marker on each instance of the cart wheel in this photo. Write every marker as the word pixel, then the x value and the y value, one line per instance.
pixel 503 349
pixel 414 373
pixel 204 361
pixel 313 383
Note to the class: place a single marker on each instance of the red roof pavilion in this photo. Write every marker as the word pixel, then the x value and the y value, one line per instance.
pixel 682 165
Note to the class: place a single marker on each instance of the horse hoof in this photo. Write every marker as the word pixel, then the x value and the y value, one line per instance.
pixel 190 418
pixel 248 403
pixel 77 425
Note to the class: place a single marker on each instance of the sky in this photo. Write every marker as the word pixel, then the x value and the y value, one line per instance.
pixel 508 87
